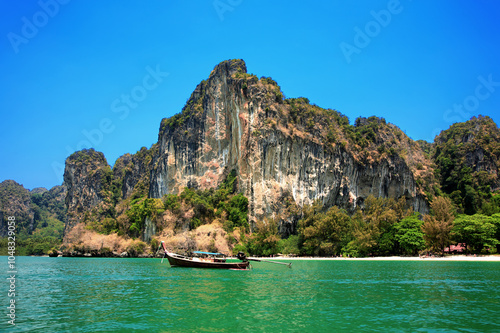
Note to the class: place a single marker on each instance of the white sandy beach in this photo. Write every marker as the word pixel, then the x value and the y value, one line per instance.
pixel 396 258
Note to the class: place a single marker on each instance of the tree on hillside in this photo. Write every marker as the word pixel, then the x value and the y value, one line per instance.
pixel 381 215
pixel 264 241
pixel 409 234
pixel 475 231
pixel 437 227
pixel 364 238
pixel 324 233
pixel 495 219
pixel 290 245
pixel 140 209
pixel 465 155
pixel 491 207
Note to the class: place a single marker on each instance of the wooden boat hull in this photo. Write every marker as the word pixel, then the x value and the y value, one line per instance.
pixel 175 260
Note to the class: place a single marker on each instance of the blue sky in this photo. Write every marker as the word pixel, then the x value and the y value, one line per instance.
pixel 67 67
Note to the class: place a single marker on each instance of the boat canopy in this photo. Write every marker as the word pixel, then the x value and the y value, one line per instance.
pixel 209 253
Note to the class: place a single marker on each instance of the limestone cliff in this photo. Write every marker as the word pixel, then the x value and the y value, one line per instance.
pixel 238 134
pixel 99 196
pixel 15 201
pixel 87 177
pixel 467 156
pixel 133 171
pixel 39 212
pixel 280 148
pixel 476 145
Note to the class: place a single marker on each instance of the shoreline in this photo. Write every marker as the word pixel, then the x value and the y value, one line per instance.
pixel 488 258
pixel 397 258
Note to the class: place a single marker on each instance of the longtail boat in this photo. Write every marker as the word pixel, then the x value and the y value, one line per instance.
pixel 203 260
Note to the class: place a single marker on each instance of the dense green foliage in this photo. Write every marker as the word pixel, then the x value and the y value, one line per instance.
pixel 324 233
pixel 119 203
pixel 14 198
pixel 31 245
pixel 477 231
pixel 140 209
pixel 409 235
pixel 456 151
pixel 222 203
pixel 265 241
pixel 383 227
pixel 39 218
pixel 49 213
pixel 308 116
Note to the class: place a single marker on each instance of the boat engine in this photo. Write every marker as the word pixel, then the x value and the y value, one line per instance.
pixel 241 256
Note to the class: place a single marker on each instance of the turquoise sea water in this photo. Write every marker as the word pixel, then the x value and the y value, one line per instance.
pixel 143 295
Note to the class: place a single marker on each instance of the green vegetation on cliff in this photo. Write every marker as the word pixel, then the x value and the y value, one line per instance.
pixel 39 217
pixel 384 227
pixel 467 156
pixel 222 203
pixel 457 175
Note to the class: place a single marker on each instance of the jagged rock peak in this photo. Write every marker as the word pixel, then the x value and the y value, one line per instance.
pixel 229 67
pixel 86 155
pixel 87 177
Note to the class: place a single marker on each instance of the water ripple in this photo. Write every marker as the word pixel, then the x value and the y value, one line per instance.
pixel 121 295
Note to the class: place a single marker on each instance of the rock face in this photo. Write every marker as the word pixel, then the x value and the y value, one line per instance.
pixel 232 121
pixel 87 177
pixel 286 153
pixel 134 170
pixel 467 156
pixel 198 146
pixel 149 230
pixel 475 145
pixel 31 209
pixel 15 201
pixel 98 195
